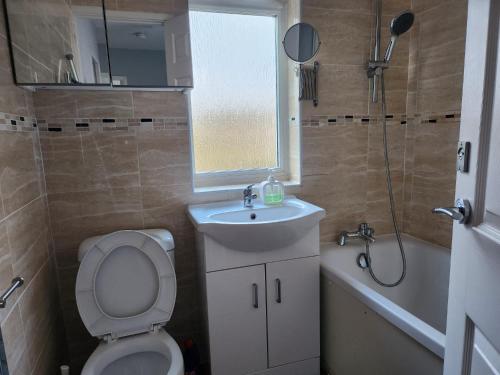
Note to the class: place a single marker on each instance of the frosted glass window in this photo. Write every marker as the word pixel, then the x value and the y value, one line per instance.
pixel 234 100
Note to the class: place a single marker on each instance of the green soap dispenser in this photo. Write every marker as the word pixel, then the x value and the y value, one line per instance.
pixel 271 190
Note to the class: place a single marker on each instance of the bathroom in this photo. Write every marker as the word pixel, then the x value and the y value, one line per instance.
pixel 141 125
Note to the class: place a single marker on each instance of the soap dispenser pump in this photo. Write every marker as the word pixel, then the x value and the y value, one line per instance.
pixel 271 191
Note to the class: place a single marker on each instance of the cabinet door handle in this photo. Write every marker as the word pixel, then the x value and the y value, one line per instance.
pixel 255 288
pixel 277 282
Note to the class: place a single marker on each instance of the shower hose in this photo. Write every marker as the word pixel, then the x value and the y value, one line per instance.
pixel 391 200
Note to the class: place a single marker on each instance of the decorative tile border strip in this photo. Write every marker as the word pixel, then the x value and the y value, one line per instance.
pixel 10 122
pixel 318 121
pixel 111 124
pixel 427 118
pixel 432 118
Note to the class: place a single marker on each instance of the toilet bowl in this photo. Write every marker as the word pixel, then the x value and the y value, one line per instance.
pixel 125 292
pixel 153 353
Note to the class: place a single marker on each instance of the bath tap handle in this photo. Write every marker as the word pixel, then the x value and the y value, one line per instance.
pixel 460 213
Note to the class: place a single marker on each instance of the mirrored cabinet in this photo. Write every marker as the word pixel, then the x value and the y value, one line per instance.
pixel 96 43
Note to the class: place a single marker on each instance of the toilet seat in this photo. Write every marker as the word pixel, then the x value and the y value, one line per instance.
pixel 126 285
pixel 159 343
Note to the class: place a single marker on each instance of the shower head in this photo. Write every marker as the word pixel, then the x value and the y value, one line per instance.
pixel 402 23
pixel 399 25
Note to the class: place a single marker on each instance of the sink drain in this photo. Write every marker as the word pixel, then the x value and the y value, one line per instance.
pixel 253 216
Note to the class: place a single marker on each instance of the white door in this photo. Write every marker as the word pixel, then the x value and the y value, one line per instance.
pixel 293 310
pixel 178 51
pixel 236 302
pixel 473 328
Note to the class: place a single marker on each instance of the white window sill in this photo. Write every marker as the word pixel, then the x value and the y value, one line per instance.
pixel 236 188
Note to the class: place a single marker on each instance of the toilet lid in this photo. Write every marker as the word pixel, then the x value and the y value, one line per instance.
pixel 126 284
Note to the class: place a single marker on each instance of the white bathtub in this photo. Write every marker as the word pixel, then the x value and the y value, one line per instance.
pixel 370 329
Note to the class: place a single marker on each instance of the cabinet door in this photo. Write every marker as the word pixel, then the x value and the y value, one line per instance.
pixel 236 301
pixel 293 310
pixel 178 51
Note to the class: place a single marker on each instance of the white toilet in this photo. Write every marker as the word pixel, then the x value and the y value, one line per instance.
pixel 125 292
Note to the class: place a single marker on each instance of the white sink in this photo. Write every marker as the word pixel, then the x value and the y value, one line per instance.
pixel 257 229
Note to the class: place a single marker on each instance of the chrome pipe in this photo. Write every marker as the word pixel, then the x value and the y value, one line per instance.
pixel 376 50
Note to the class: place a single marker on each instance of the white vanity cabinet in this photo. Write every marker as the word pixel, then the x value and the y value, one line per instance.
pixel 236 304
pixel 259 273
pixel 263 316
pixel 292 310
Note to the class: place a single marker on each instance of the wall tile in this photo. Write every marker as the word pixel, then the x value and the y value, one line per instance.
pixel 6 272
pixel 378 208
pixel 55 103
pixel 153 6
pixel 345 38
pixel 164 158
pixel 15 344
pixel 396 83
pixel 19 179
pixel 433 181
pixel 435 86
pixel 333 149
pixel 70 233
pixel 80 162
pixel 440 59
pixel 31 262
pixel 351 5
pixel 107 104
pixel 12 98
pixel 24 228
pixel 24 234
pixel 159 104
pixel 342 89
pixel 39 307
pixel 394 7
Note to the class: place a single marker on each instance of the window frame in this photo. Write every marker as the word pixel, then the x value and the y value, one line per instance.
pixel 236 179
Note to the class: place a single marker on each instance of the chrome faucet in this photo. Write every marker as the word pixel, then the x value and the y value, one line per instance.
pixel 248 196
pixel 364 232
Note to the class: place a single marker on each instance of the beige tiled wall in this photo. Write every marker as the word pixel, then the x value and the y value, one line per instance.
pixel 150 6
pixel 343 168
pixel 115 176
pixel 436 63
pixel 33 338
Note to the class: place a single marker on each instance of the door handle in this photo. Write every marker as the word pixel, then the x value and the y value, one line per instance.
pixel 277 282
pixel 461 213
pixel 255 288
pixel 16 283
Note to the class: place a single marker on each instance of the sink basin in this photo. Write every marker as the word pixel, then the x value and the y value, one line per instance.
pixel 260 228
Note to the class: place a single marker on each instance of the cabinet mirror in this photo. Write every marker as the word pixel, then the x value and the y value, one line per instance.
pixel 149 43
pixel 57 42
pixel 110 43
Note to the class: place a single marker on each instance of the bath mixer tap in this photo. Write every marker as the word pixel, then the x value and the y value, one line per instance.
pixel 364 232
pixel 248 196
